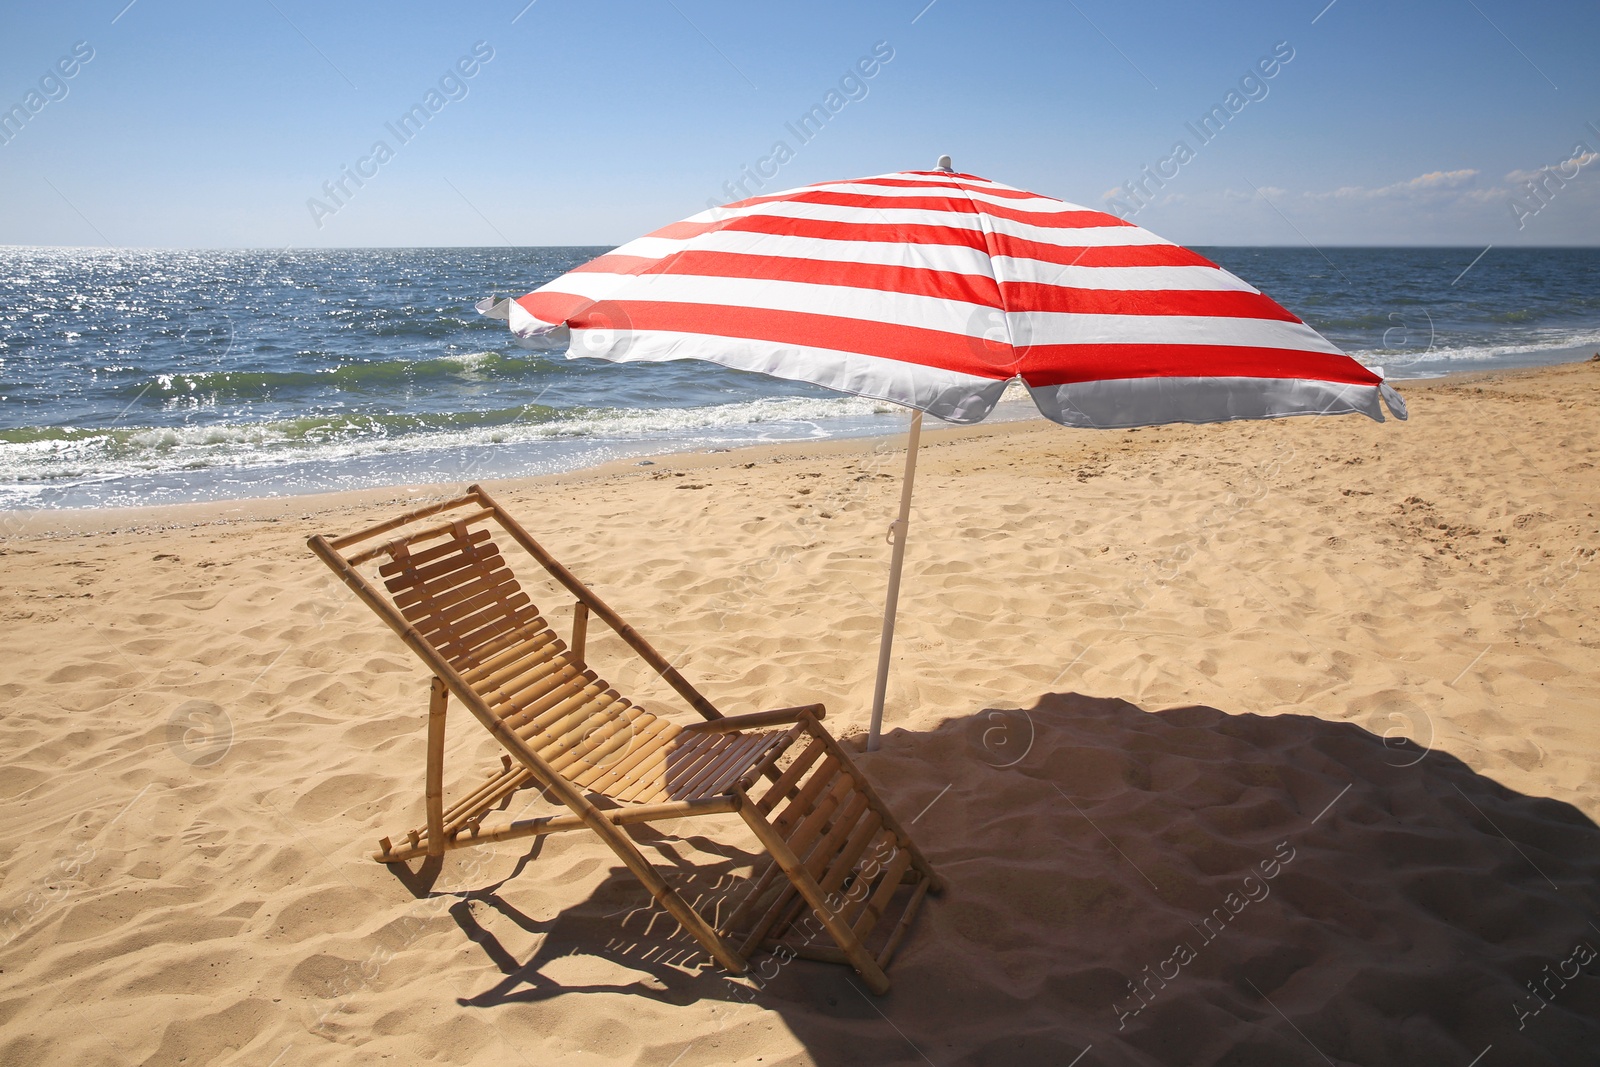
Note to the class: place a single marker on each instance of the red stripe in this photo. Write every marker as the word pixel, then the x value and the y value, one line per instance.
pixel 999 244
pixel 892 232
pixel 1066 364
pixel 953 201
pixel 1033 296
pixel 990 190
pixel 912 281
pixel 949 285
pixel 1079 219
pixel 549 306
pixel 908 344
pixel 1153 255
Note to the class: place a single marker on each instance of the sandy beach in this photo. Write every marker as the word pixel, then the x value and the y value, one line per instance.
pixel 1256 743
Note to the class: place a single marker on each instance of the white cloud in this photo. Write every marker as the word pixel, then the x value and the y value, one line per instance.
pixel 1434 182
pixel 1567 168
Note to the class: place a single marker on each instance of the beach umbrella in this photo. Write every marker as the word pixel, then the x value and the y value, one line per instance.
pixel 935 290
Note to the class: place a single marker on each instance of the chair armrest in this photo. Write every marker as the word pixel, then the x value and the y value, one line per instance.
pixel 730 723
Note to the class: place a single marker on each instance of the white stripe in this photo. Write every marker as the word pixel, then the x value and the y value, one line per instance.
pixel 1030 202
pixel 873 305
pixel 1071 236
pixel 1050 328
pixel 936 183
pixel 959 259
pixel 1145 279
pixel 948 395
pixel 591 285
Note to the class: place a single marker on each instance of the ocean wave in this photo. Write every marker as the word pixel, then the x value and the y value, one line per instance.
pixel 1440 358
pixel 58 454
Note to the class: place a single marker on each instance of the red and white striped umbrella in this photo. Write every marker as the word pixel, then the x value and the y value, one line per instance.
pixel 935 290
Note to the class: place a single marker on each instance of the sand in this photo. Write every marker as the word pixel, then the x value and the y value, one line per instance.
pixel 1266 743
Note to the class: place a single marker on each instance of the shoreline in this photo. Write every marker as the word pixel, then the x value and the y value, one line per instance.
pixel 50 522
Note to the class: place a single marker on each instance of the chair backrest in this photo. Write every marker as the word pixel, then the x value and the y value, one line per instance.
pixel 462 599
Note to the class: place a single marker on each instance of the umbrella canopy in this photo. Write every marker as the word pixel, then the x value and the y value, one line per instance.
pixel 935 290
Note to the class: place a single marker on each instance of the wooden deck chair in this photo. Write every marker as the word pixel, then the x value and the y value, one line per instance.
pixel 839 862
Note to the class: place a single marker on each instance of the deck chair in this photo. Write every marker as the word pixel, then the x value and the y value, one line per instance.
pixel 837 861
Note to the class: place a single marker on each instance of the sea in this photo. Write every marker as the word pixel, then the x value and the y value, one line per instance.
pixel 144 377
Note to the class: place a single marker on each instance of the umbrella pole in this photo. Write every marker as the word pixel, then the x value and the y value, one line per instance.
pixel 898 532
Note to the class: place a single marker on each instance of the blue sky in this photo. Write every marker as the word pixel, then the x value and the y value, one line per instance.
pixel 203 124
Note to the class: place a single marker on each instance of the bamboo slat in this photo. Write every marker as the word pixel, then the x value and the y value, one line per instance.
pixel 843 863
pixel 736 753
pixel 821 778
pixel 533 701
pixel 523 647
pixel 603 746
pixel 759 885
pixel 421 535
pixel 904 925
pixel 902 838
pixel 842 935
pixel 736 759
pixel 580 629
pixel 766 764
pixel 818 817
pixel 835 827
pixel 466 608
pixel 650 772
pixel 746 767
pixel 659 768
pixel 409 517
pixel 484 799
pixel 785 783
pixel 619 777
pixel 597 719
pixel 565 697
pixel 690 753
pixel 478 633
pixel 469 583
pixel 515 678
pixel 428 564
pixel 865 919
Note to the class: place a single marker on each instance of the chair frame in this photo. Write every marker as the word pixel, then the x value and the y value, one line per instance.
pixel 818 840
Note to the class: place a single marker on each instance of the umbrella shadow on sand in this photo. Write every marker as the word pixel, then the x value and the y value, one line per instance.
pixel 1174 887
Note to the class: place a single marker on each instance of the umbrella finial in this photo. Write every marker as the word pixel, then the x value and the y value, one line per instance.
pixel 944 165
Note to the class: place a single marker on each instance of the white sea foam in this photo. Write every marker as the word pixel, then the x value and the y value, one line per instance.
pixel 178 448
pixel 1442 358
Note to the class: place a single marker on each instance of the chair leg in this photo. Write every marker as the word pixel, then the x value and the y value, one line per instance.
pixel 437 701
pixel 918 860
pixel 807 886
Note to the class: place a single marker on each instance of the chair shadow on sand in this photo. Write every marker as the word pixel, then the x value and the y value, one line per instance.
pixel 1174 887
